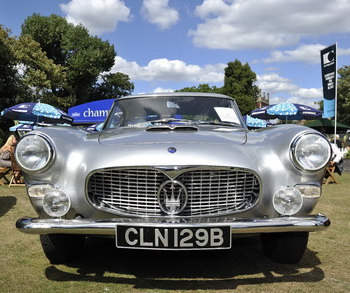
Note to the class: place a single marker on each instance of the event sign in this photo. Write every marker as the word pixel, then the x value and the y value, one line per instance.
pixel 91 113
pixel 329 71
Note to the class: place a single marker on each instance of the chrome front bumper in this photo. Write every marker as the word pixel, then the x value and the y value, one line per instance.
pixel 310 223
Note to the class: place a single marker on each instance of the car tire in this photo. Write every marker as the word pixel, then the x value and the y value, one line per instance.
pixel 286 247
pixel 62 248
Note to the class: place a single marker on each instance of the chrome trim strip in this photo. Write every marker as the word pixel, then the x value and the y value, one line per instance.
pixel 310 223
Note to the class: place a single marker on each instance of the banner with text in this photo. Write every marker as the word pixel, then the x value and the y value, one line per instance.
pixel 329 71
pixel 92 112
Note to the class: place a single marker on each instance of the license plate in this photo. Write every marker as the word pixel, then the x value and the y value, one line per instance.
pixel 173 238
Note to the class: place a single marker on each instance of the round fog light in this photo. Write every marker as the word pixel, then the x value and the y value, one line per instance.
pixel 56 203
pixel 287 201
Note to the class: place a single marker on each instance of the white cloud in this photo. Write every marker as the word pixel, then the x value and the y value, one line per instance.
pixel 159 13
pixel 306 97
pixel 282 89
pixel 305 53
pixel 311 93
pixel 294 99
pixel 303 101
pixel 266 24
pixel 273 77
pixel 273 83
pixel 170 70
pixel 162 90
pixel 98 16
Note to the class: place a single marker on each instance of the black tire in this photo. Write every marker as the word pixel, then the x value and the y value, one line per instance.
pixel 286 247
pixel 62 248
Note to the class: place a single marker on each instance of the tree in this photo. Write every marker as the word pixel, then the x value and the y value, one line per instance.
pixel 202 88
pixel 39 73
pixel 9 79
pixel 343 97
pixel 239 83
pixel 113 85
pixel 10 84
pixel 26 66
pixel 83 57
pixel 26 74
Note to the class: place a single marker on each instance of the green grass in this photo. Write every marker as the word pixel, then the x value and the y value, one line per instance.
pixel 324 268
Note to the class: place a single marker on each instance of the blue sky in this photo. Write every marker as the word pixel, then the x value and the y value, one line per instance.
pixel 164 45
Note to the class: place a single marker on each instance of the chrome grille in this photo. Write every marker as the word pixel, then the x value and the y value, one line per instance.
pixel 210 191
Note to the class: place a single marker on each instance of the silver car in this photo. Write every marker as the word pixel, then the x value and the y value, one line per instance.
pixel 175 171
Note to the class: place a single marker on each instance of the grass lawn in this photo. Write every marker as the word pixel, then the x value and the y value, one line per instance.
pixel 324 268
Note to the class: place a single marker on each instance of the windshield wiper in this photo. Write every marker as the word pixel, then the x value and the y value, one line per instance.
pixel 219 123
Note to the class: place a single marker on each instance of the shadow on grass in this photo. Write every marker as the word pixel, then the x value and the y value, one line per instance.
pixel 244 264
pixel 6 204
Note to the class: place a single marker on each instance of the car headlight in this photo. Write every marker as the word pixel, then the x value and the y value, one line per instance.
pixel 311 151
pixel 33 153
pixel 287 201
pixel 56 203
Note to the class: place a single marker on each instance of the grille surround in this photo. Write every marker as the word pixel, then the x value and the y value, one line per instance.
pixel 212 191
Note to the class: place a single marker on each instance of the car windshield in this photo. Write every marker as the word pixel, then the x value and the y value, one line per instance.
pixel 160 110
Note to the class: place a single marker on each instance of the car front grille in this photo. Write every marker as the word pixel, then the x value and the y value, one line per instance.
pixel 210 191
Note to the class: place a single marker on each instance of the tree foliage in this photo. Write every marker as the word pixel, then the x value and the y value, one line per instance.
pixel 10 86
pixel 10 83
pixel 113 85
pixel 343 96
pixel 39 73
pixel 57 63
pixel 33 72
pixel 202 88
pixel 25 72
pixel 239 83
pixel 83 57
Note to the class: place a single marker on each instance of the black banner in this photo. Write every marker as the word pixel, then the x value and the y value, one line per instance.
pixel 329 71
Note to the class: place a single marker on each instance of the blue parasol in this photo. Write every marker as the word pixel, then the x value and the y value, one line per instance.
pixel 254 122
pixel 36 112
pixel 287 111
pixel 23 127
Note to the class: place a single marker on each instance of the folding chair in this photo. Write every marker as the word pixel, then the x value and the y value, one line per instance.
pixel 329 176
pixel 3 172
pixel 17 177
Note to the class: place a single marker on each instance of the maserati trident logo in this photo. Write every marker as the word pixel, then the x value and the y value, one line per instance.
pixel 172 197
pixel 172 150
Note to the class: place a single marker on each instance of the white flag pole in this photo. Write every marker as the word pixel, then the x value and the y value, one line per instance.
pixel 336 93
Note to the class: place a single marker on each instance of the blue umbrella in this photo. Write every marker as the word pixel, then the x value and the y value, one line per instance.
pixel 254 122
pixel 23 127
pixel 36 112
pixel 287 111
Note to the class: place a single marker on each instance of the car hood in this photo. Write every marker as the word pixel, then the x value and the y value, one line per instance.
pixel 218 135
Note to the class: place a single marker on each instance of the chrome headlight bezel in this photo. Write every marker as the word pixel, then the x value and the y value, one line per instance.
pixel 310 151
pixel 34 153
